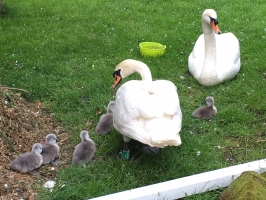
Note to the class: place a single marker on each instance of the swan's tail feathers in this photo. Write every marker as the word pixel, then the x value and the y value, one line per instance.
pixel 162 140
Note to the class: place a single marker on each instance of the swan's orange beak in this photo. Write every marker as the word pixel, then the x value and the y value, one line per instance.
pixel 117 80
pixel 215 27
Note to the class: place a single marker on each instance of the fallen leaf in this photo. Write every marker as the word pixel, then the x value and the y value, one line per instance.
pixel 31 197
pixel 89 123
pixel 98 112
pixel 38 104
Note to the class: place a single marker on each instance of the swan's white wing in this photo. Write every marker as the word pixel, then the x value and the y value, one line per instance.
pixel 228 47
pixel 150 114
pixel 196 57
pixel 228 56
pixel 165 98
pixel 135 99
pixel 125 116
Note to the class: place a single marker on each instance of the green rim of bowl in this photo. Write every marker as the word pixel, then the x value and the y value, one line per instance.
pixel 147 45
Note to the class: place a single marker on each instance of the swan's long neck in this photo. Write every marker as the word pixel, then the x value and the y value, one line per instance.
pixel 209 65
pixel 131 66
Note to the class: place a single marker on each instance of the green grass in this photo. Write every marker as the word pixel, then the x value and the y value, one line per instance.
pixel 65 51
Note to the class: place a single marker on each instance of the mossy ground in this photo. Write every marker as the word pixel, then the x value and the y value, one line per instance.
pixel 248 186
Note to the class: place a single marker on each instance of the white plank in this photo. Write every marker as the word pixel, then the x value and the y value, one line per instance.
pixel 190 185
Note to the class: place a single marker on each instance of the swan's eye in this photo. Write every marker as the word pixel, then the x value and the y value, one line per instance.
pixel 117 73
pixel 214 20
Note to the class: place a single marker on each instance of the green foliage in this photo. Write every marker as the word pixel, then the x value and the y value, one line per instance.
pixel 64 53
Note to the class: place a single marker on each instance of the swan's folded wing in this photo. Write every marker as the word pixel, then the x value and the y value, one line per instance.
pixel 228 56
pixel 196 57
pixel 134 100
pixel 128 98
pixel 142 111
pixel 162 100
pixel 228 47
pixel 199 48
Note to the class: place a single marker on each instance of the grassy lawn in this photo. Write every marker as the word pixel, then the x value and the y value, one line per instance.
pixel 64 54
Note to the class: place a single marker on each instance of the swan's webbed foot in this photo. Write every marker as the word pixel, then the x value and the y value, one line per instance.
pixel 125 154
pixel 150 150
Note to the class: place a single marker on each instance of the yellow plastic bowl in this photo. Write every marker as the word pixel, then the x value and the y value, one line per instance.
pixel 151 49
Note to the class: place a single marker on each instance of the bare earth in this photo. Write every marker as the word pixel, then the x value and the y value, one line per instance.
pixel 22 124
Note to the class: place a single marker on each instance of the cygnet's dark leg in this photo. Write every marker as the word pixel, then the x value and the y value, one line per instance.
pixel 55 162
pixel 150 150
pixel 33 172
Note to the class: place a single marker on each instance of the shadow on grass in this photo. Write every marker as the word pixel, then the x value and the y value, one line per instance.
pixel 7 11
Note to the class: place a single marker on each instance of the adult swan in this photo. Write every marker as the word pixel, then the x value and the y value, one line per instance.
pixel 145 110
pixel 215 57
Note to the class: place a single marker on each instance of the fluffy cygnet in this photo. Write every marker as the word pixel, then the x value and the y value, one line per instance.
pixel 85 150
pixel 27 162
pixel 50 150
pixel 206 112
pixel 105 124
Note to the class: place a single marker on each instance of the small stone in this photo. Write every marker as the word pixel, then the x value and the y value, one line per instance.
pixel 49 184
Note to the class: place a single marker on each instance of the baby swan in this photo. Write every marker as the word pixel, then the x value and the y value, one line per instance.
pixel 206 112
pixel 27 162
pixel 105 124
pixel 50 150
pixel 85 150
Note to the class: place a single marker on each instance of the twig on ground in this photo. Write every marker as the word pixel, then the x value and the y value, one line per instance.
pixel 10 88
pixel 63 140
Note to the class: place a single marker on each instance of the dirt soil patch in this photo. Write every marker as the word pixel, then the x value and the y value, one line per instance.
pixel 22 124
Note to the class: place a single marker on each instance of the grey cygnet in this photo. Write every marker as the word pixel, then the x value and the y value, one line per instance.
pixel 50 150
pixel 85 150
pixel 206 112
pixel 105 124
pixel 27 162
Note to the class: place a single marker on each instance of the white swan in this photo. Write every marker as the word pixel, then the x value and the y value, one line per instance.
pixel 215 57
pixel 145 110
